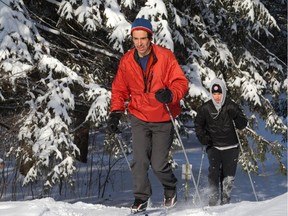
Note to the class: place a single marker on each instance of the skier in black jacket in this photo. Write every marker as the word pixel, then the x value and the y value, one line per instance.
pixel 214 127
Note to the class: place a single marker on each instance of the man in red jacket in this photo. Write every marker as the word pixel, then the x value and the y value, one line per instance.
pixel 148 77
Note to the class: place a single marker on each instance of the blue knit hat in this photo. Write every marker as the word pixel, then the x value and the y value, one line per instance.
pixel 142 24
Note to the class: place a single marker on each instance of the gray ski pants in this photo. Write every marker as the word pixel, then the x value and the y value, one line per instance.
pixel 151 143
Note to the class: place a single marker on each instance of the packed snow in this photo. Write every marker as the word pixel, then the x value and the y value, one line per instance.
pixel 49 207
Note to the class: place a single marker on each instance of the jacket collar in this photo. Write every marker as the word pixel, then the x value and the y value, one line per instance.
pixel 136 56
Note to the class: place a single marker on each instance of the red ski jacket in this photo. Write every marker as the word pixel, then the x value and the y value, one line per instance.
pixel 131 84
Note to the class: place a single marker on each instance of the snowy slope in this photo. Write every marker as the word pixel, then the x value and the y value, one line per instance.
pixel 49 207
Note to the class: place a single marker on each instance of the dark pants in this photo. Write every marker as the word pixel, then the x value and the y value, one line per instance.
pixel 222 170
pixel 151 143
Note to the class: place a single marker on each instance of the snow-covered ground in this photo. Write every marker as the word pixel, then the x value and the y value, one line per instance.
pixel 270 187
pixel 48 207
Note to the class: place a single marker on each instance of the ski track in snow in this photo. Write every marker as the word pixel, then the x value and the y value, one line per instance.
pixel 50 207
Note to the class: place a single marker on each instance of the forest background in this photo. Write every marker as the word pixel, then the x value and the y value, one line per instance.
pixel 59 57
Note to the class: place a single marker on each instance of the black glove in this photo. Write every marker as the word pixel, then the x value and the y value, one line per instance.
pixel 164 95
pixel 113 121
pixel 206 140
pixel 232 113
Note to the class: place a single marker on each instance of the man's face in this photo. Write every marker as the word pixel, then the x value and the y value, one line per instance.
pixel 141 42
pixel 217 97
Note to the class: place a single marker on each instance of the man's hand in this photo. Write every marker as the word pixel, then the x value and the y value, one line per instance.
pixel 232 113
pixel 206 140
pixel 164 95
pixel 113 122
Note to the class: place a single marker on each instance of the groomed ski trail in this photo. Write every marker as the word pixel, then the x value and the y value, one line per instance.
pixel 180 211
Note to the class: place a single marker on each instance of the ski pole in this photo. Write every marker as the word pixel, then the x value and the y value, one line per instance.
pixel 201 163
pixel 120 141
pixel 248 171
pixel 187 160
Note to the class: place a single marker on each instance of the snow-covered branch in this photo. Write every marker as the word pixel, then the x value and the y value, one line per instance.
pixel 78 41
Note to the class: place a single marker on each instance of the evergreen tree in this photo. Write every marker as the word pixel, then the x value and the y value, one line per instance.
pixel 58 59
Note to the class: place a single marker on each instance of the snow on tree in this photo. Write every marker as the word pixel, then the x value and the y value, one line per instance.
pixel 59 57
pixel 45 129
